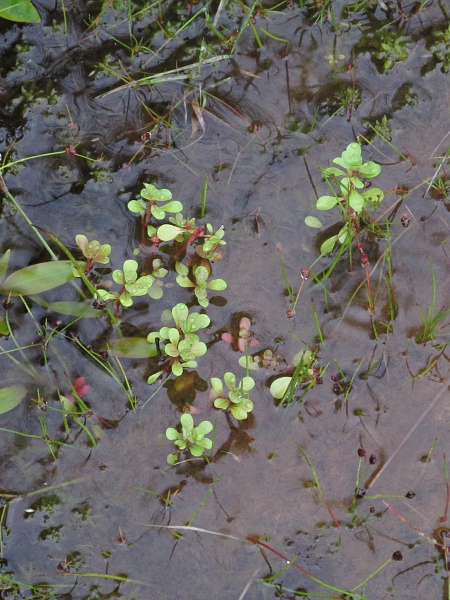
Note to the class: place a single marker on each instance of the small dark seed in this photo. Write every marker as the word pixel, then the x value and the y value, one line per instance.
pixel 7 304
pixel 372 459
pixel 410 494
pixel 361 452
pixel 397 555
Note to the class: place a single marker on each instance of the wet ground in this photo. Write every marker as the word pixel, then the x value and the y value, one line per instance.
pixel 286 89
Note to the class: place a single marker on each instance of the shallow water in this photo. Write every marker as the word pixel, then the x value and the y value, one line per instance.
pixel 268 123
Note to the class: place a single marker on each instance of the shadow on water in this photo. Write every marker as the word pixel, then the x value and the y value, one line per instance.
pixel 241 102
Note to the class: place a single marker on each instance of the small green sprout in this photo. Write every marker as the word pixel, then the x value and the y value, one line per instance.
pixel 158 273
pixel 190 439
pixel 237 400
pixel 132 285
pixel 212 242
pixel 147 205
pixel 183 346
pixel 94 252
pixel 200 283
pixel 348 199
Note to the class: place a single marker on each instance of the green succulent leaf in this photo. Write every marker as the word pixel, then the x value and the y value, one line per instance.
pixel 373 195
pixel 168 232
pixel 305 357
pixel 238 412
pixel 11 396
pixel 130 271
pixel 172 459
pixel 125 299
pixel 350 158
pixel 230 380
pixel 196 450
pixel 172 434
pixel 137 206
pixel 326 202
pixel 250 361
pixel 369 169
pixel 154 377
pixel 177 369
pixel 187 422
pixel 247 383
pixel 94 250
pixel 217 385
pixel 158 212
pixel 328 245
pixel 222 403
pixel 217 285
pixel 155 292
pixel 150 192
pixel 332 172
pixel 313 222
pixel 356 201
pixel 279 387
pixel 204 428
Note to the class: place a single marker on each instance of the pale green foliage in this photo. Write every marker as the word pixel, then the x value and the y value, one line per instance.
pixel 93 251
pixel 200 284
pixel 303 374
pixel 132 285
pixel 237 399
pixel 348 199
pixel 183 344
pixel 191 438
pixel 147 204
pixel 212 242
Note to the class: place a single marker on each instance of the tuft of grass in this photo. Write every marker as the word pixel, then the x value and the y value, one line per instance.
pixel 431 319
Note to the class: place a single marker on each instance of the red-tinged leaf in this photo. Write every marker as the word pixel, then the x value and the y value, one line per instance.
pixel 11 396
pixel 38 278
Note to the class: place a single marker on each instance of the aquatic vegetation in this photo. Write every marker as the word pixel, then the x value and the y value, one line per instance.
pixel 191 439
pixel 21 12
pixel 432 326
pixel 132 284
pixel 237 399
pixel 244 338
pixel 184 345
pixel 355 207
pixel 201 285
pixel 147 206
pixel 442 53
pixel 305 375
pixel 94 252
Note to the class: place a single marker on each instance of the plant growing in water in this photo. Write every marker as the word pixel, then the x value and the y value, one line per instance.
pixel 356 207
pixel 305 375
pixel 184 345
pixel 237 399
pixel 191 438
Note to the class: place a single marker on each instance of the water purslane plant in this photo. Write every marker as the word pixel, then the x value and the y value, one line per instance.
pixel 191 439
pixel 354 202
